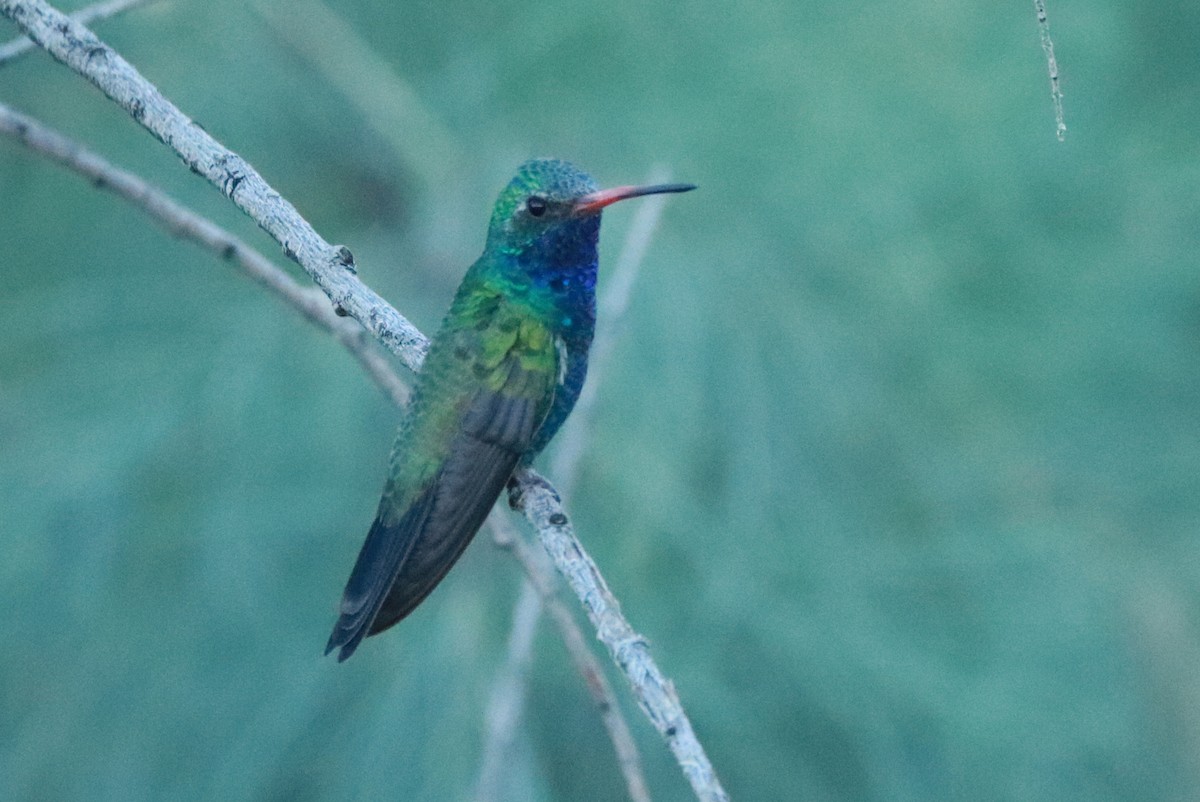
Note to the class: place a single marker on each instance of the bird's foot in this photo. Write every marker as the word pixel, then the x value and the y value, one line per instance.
pixel 520 482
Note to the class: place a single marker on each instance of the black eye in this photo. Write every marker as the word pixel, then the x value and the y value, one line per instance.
pixel 536 205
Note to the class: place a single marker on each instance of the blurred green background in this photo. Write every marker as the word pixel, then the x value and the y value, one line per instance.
pixel 896 463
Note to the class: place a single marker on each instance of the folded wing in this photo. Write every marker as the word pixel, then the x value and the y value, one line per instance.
pixel 408 552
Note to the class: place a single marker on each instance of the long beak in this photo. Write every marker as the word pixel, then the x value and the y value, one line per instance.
pixel 593 202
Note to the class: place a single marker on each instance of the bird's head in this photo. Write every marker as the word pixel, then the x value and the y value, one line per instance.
pixel 551 211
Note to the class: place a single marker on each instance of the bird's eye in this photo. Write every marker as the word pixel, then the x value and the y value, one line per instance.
pixel 536 205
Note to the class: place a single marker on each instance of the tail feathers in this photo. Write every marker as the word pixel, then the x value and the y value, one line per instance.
pixel 385 550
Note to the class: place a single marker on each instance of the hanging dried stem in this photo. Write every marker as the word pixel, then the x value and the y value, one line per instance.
pixel 1060 125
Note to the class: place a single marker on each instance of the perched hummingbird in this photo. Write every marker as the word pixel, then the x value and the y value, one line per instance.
pixel 501 376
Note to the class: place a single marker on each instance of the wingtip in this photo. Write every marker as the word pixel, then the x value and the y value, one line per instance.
pixel 347 647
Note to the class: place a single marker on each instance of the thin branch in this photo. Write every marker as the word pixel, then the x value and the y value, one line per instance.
pixel 83 16
pixel 186 224
pixel 1060 125
pixel 332 268
pixel 654 692
pixel 539 592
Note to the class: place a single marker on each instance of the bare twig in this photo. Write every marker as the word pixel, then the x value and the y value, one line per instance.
pixel 332 268
pixel 83 16
pixel 186 224
pixel 540 589
pixel 1060 125
pixel 654 692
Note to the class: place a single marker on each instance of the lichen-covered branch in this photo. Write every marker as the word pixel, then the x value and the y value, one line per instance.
pixel 332 269
pixel 330 266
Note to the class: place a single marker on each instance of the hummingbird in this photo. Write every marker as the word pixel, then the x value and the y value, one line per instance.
pixel 501 375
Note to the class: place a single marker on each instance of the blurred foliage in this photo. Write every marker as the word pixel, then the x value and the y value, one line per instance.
pixel 897 462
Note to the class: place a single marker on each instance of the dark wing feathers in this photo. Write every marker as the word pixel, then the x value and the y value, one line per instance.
pixel 466 490
pixel 401 563
pixel 502 420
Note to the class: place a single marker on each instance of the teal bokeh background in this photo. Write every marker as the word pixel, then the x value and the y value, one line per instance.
pixel 896 462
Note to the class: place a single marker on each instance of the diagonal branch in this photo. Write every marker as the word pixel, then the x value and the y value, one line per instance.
pixel 186 224
pixel 332 268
